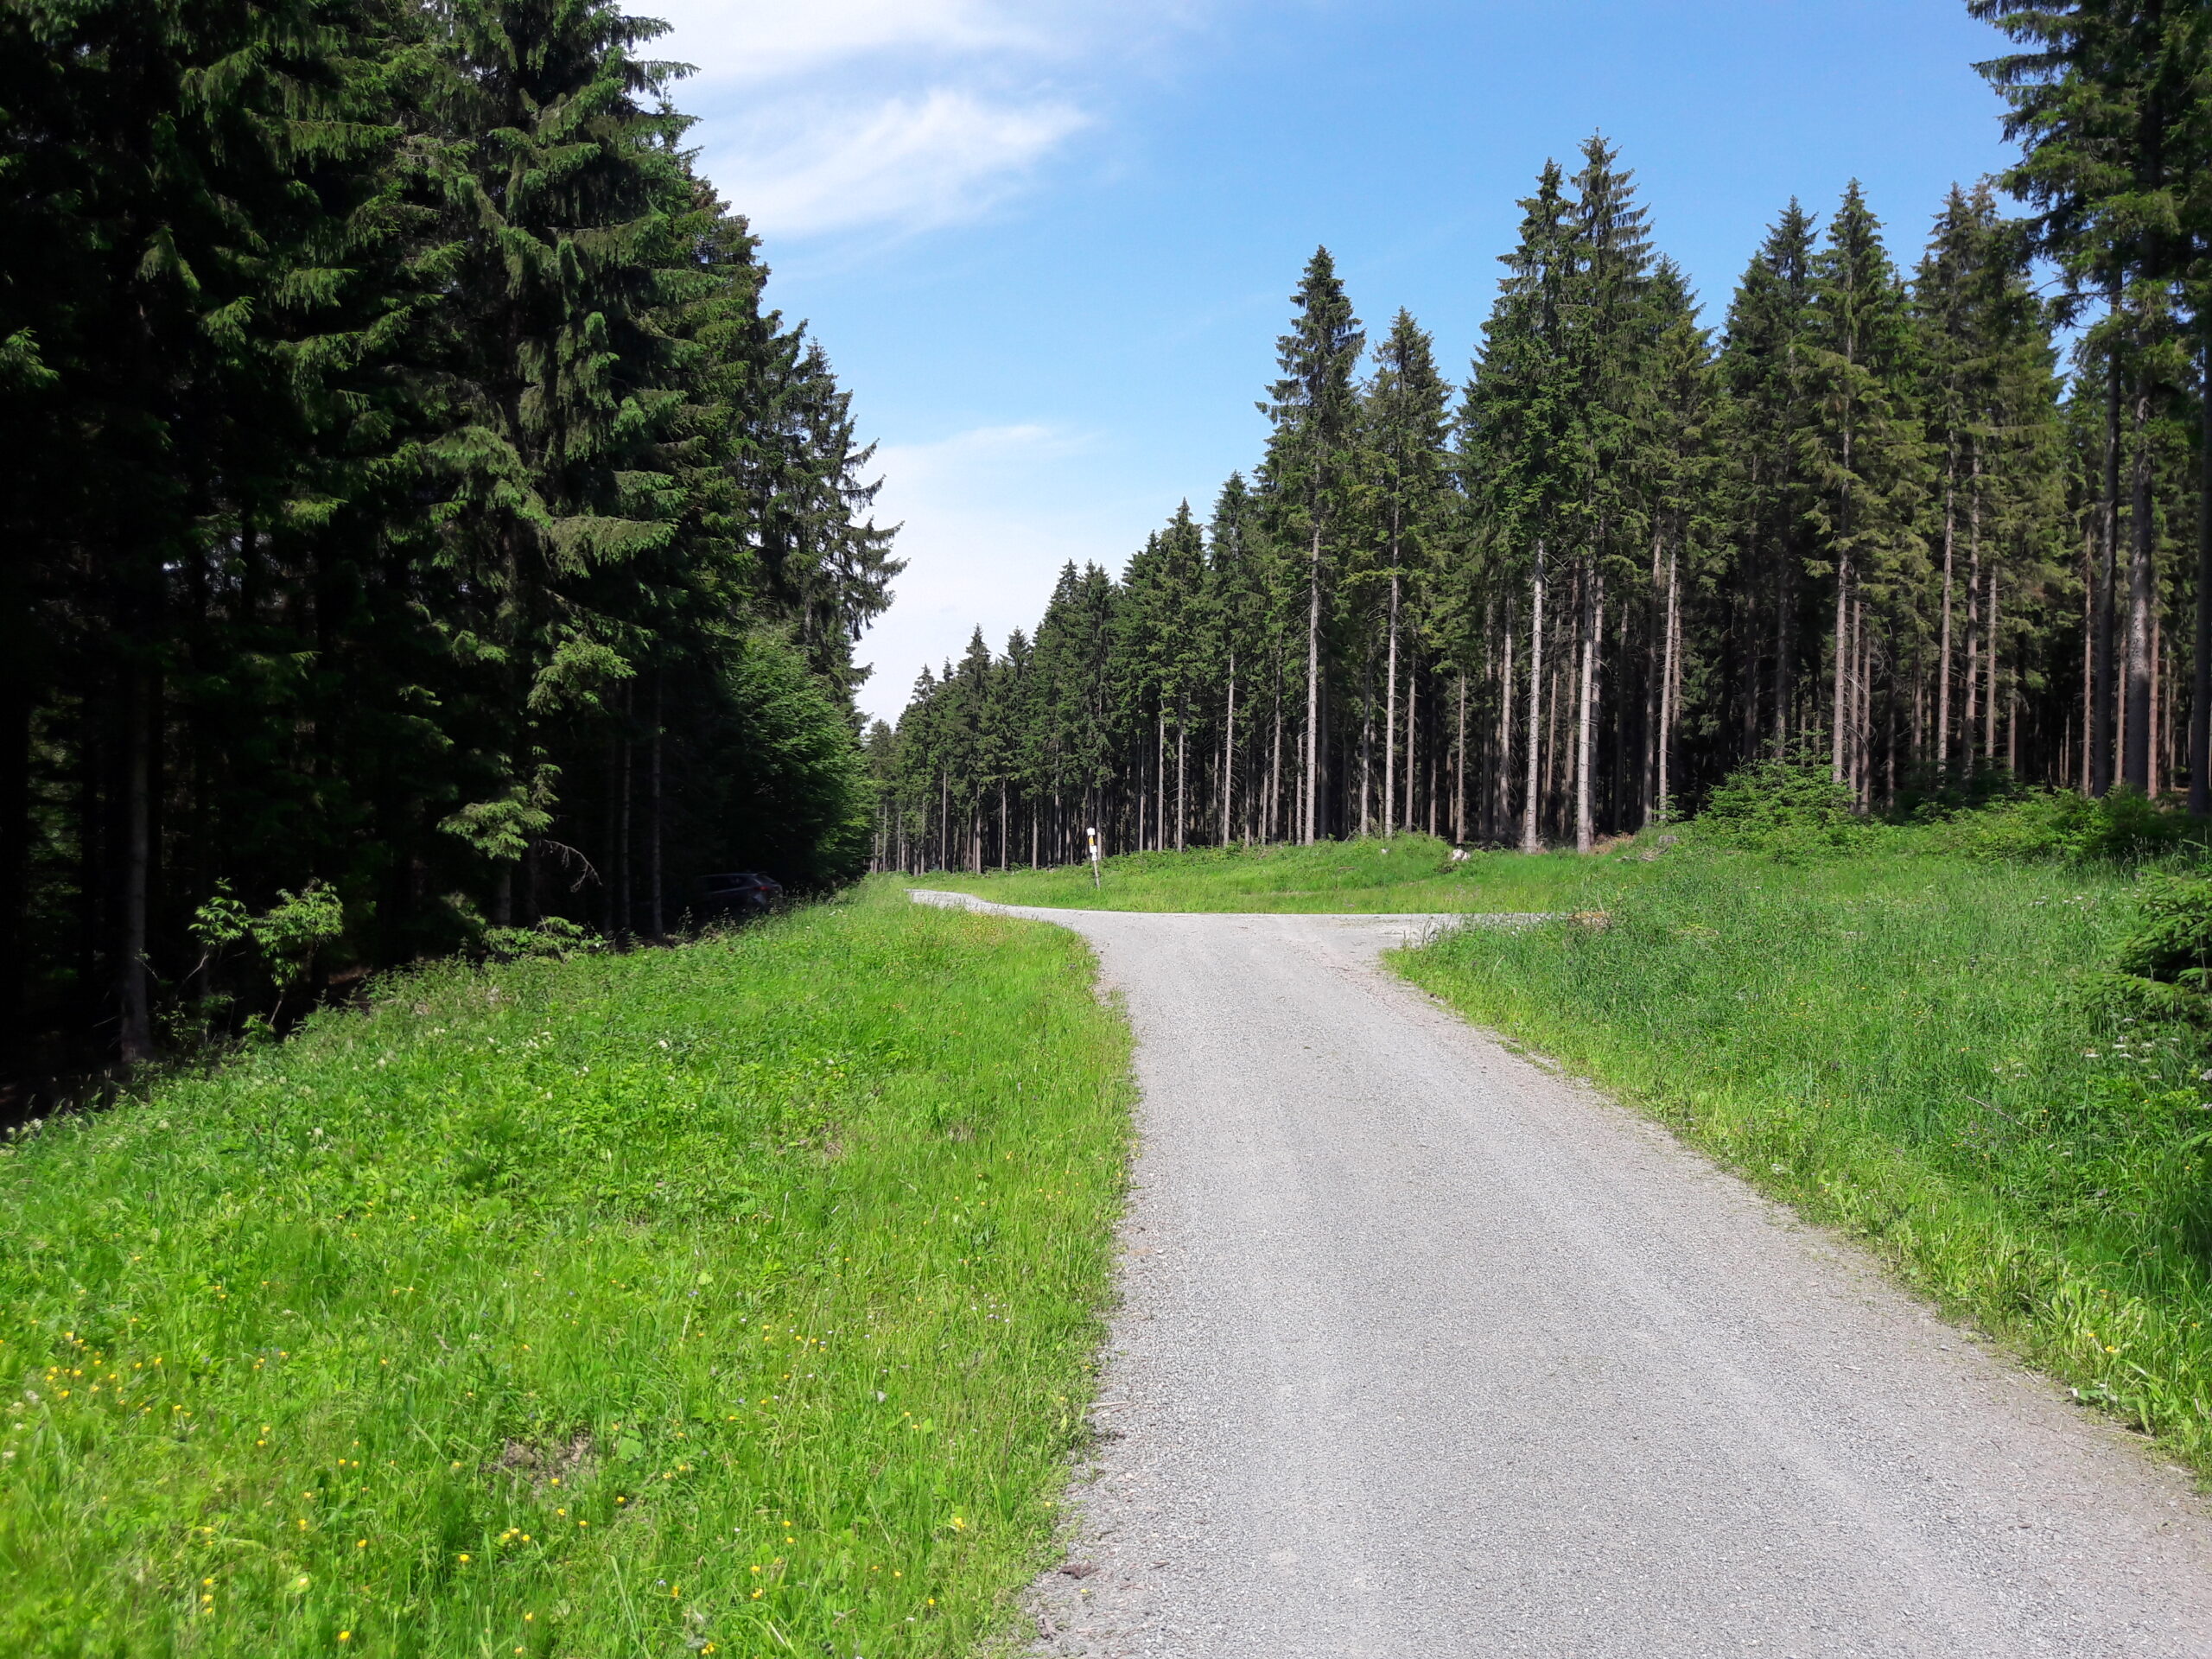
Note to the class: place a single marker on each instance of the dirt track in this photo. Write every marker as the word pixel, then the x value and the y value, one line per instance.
pixel 1426 1352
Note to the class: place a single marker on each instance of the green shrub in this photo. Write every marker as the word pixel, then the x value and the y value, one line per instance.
pixel 2124 825
pixel 1792 808
pixel 2171 948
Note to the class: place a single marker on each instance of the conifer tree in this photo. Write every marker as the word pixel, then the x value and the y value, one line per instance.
pixel 1764 362
pixel 1517 425
pixel 1406 430
pixel 1306 472
pixel 1864 452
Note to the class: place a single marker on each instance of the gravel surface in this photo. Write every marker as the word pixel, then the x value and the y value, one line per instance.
pixel 1426 1351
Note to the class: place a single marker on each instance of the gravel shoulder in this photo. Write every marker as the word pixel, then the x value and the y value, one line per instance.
pixel 1425 1350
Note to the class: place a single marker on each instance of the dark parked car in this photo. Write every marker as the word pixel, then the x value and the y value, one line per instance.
pixel 738 892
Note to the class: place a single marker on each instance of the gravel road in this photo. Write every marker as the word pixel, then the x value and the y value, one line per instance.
pixel 1425 1351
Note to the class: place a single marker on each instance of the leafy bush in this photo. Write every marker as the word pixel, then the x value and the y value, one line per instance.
pixel 1790 808
pixel 2056 823
pixel 2171 944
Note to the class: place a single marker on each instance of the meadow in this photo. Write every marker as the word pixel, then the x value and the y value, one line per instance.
pixel 1405 874
pixel 739 1297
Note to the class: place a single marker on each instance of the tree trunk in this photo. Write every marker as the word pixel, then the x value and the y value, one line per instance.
pixel 1390 704
pixel 623 885
pixel 1413 729
pixel 2100 626
pixel 1667 683
pixel 1943 651
pixel 1228 756
pixel 2200 685
pixel 1274 770
pixel 1459 768
pixel 1593 607
pixel 1182 816
pixel 659 917
pixel 1989 692
pixel 1838 700
pixel 15 708
pixel 132 993
pixel 1530 840
pixel 2135 767
pixel 1502 780
pixel 1308 817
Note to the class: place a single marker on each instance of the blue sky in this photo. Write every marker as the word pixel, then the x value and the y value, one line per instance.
pixel 1049 244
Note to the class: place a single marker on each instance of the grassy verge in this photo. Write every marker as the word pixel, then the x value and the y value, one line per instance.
pixel 1408 872
pixel 1913 1047
pixel 738 1298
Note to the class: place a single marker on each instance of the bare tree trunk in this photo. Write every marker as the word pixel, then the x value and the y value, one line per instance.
pixel 1459 768
pixel 1593 607
pixel 2200 680
pixel 1989 694
pixel 138 1023
pixel 1182 800
pixel 1837 699
pixel 1390 704
pixel 1530 840
pixel 1943 652
pixel 1274 771
pixel 659 917
pixel 1413 728
pixel 1785 642
pixel 2135 766
pixel 2102 624
pixel 1228 756
pixel 1308 817
pixel 1666 743
pixel 623 886
pixel 1502 781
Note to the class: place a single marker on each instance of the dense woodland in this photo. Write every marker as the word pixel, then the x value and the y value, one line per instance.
pixel 1934 518
pixel 417 524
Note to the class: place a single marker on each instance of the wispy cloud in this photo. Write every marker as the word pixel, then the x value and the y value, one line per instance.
pixel 908 163
pixel 768 39
pixel 821 116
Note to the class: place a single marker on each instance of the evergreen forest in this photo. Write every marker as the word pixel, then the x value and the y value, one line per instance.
pixel 1933 516
pixel 421 530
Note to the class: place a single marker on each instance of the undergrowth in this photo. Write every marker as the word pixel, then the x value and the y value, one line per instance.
pixel 735 1298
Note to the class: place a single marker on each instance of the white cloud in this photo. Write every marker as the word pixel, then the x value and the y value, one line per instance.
pixel 820 117
pixel 767 39
pixel 909 164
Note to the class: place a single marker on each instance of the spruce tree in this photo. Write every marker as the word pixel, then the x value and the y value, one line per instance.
pixel 1407 429
pixel 1517 426
pixel 1306 470
pixel 1864 451
pixel 1765 361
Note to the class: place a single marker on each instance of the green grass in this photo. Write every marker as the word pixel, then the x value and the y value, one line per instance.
pixel 1406 873
pixel 740 1297
pixel 1917 1048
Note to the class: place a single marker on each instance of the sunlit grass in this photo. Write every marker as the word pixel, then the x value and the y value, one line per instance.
pixel 1404 873
pixel 1919 1049
pixel 737 1298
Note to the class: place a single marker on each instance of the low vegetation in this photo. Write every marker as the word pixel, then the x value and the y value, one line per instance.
pixel 1406 874
pixel 735 1298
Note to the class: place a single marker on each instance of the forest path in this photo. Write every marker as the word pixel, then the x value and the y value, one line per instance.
pixel 1424 1351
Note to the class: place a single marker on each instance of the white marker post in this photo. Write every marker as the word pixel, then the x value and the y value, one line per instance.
pixel 1093 833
